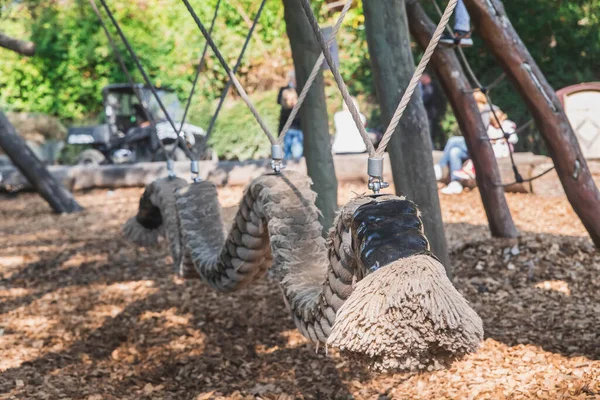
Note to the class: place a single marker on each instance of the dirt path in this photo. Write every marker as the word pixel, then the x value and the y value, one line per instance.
pixel 84 315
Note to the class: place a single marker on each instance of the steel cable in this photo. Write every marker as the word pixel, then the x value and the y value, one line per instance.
pixel 144 74
pixel 237 65
pixel 232 77
pixel 314 73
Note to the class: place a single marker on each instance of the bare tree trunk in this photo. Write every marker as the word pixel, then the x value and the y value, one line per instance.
pixel 314 118
pixel 457 87
pixel 410 148
pixel 493 25
pixel 49 188
pixel 20 46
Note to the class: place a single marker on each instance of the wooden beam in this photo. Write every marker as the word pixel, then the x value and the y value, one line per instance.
pixel 349 167
pixel 22 47
pixel 457 89
pixel 492 24
pixel 36 173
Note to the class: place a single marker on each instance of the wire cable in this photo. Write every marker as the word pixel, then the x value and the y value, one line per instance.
pixel 199 69
pixel 414 82
pixel 130 80
pixel 232 77
pixel 313 75
pixel 144 74
pixel 337 76
pixel 237 65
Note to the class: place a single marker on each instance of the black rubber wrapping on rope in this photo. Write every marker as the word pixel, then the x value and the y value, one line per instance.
pixel 384 232
pixel 148 215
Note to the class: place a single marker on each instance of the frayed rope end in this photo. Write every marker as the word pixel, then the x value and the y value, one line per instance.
pixel 407 316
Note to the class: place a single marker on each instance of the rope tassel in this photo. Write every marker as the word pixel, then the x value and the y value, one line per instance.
pixel 372 289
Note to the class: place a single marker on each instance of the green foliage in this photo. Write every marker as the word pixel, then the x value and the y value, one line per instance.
pixel 355 64
pixel 74 60
pixel 70 153
pixel 237 135
pixel 449 123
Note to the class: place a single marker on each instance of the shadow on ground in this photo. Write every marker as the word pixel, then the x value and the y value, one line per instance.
pixel 180 340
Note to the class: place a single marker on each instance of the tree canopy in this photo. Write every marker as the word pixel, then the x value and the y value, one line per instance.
pixel 73 59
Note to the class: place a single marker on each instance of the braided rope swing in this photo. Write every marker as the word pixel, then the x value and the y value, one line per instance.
pixel 371 289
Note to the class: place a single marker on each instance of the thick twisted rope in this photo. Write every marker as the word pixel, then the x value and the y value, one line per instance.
pixel 313 74
pixel 372 289
pixel 232 77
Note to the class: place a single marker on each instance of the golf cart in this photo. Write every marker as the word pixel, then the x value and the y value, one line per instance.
pixel 128 134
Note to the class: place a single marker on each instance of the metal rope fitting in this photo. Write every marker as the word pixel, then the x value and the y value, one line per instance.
pixel 195 170
pixel 375 172
pixel 277 158
pixel 171 169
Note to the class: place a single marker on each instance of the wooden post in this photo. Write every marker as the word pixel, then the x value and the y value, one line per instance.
pixel 457 89
pixel 410 148
pixel 494 27
pixel 49 188
pixel 314 118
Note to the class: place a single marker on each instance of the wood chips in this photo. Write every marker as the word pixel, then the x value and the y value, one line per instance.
pixel 84 315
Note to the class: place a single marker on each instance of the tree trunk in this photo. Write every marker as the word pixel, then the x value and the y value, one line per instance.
pixel 457 89
pixel 314 118
pixel 22 47
pixel 14 146
pixel 410 147
pixel 493 25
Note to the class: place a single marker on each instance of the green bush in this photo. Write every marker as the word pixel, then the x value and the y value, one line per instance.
pixel 237 135
pixel 74 60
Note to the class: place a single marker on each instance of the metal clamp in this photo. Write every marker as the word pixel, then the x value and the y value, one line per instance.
pixel 375 171
pixel 195 170
pixel 171 169
pixel 277 155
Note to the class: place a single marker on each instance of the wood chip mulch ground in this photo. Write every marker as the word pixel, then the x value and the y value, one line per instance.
pixel 85 315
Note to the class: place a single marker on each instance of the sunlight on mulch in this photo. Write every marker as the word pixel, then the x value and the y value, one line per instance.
pixel 85 315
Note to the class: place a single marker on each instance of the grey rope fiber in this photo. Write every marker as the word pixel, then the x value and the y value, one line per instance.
pixel 143 72
pixel 313 75
pixel 237 65
pixel 232 76
pixel 337 76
